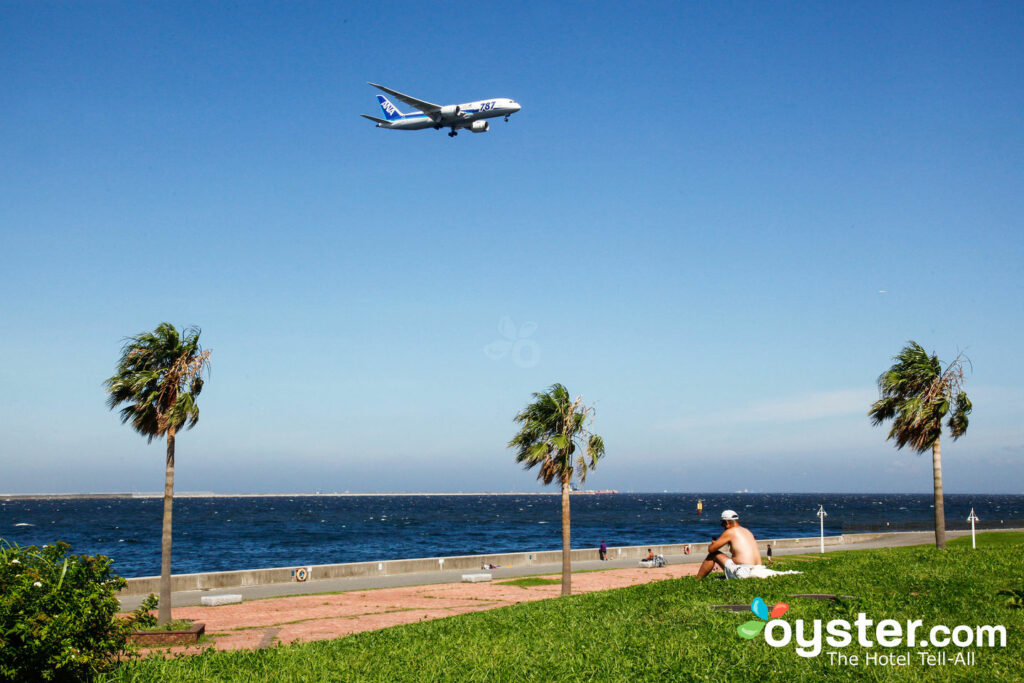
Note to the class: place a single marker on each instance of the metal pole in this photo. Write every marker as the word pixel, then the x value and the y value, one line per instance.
pixel 822 515
pixel 972 518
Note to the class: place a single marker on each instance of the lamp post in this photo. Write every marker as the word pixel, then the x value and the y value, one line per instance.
pixel 822 515
pixel 972 518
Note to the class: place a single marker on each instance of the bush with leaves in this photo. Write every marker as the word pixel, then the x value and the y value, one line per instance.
pixel 58 614
pixel 143 619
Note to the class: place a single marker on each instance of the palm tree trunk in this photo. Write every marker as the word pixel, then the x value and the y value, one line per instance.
pixel 164 606
pixel 566 547
pixel 940 508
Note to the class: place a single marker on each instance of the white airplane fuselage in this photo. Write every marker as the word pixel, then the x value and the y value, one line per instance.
pixel 470 116
pixel 463 117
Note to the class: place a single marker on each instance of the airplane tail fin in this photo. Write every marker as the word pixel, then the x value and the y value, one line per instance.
pixel 391 112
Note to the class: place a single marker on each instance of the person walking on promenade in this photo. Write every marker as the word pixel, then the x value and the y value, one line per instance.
pixel 603 551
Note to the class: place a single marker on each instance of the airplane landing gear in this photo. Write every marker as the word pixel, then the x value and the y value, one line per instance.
pixel 452 134
pixel 437 127
pixel 506 119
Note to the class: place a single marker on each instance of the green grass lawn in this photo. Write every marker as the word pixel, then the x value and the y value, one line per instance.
pixel 176 625
pixel 528 581
pixel 665 631
pixel 990 539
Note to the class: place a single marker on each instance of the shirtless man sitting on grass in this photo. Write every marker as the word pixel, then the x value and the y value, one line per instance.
pixel 745 553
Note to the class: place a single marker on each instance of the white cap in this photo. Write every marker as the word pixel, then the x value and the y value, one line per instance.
pixel 730 515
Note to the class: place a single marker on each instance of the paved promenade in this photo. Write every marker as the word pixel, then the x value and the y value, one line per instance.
pixel 265 623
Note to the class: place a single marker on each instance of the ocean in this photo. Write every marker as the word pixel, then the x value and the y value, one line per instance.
pixel 225 533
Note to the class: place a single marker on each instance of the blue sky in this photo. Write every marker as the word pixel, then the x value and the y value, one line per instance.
pixel 717 222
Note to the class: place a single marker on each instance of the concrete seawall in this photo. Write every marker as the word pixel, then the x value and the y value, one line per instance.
pixel 677 552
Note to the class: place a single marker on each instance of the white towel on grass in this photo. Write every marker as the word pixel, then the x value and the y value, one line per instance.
pixel 762 572
pixel 751 571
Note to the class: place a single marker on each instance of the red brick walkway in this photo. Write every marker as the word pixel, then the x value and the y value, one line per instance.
pixel 264 623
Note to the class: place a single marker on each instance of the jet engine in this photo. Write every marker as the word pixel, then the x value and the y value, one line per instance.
pixel 450 112
pixel 479 127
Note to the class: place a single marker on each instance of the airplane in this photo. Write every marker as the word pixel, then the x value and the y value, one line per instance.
pixel 470 115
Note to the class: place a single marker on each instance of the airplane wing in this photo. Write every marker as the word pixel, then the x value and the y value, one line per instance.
pixel 373 118
pixel 431 110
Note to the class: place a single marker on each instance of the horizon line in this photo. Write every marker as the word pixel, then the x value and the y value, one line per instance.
pixel 341 494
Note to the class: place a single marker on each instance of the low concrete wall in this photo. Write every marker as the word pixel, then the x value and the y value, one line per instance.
pixel 256 577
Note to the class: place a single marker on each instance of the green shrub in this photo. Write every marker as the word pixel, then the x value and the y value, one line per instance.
pixel 143 619
pixel 57 614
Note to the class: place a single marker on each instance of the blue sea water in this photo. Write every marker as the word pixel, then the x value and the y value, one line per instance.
pixel 216 534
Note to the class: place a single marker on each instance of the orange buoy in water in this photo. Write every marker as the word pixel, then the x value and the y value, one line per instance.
pixel 700 506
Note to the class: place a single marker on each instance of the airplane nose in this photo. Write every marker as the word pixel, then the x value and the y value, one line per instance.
pixel 516 106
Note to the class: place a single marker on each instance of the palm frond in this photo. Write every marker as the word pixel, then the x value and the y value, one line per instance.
pixel 882 410
pixel 552 427
pixel 157 380
pixel 916 394
pixel 959 420
pixel 581 469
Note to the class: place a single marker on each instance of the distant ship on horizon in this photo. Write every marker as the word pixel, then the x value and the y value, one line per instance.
pixel 574 489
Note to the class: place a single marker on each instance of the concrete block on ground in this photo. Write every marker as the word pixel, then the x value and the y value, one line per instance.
pixel 214 600
pixel 475 578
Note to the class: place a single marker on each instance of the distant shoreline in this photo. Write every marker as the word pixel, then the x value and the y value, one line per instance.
pixel 207 494
pixel 382 494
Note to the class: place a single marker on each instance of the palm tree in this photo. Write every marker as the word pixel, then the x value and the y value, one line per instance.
pixel 158 378
pixel 916 394
pixel 552 428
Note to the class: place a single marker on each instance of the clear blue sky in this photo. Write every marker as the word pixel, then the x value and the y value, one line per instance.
pixel 720 220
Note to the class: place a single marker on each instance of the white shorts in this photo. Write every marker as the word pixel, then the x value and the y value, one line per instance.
pixel 738 571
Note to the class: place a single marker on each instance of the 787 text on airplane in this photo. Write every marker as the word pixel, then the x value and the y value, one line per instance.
pixel 470 115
